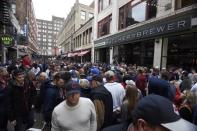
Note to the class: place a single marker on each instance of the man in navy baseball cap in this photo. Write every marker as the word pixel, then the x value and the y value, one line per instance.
pixel 154 113
pixel 72 87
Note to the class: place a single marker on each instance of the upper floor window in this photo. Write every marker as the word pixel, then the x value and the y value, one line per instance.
pixel 104 26
pixel 183 3
pixel 83 15
pixel 103 4
pixel 90 15
pixel 90 36
pixel 136 12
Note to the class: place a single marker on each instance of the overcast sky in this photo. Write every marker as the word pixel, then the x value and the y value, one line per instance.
pixel 44 9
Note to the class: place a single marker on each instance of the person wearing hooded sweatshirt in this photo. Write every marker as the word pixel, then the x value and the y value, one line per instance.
pixel 103 102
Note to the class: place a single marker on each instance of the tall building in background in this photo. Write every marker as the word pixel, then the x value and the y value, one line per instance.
pixel 47 33
pixel 27 21
pixel 77 17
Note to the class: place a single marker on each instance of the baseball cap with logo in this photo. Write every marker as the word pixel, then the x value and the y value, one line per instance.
pixel 157 110
pixel 72 87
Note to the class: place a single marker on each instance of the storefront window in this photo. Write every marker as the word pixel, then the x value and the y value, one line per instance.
pixel 184 49
pixel 140 53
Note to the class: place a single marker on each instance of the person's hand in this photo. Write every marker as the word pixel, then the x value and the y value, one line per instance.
pixel 13 122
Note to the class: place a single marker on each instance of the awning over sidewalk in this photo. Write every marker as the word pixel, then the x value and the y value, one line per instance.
pixel 83 53
pixel 72 54
pixel 78 53
pixel 75 54
pixel 65 55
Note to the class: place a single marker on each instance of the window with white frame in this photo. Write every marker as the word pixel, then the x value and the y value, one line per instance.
pixel 49 52
pixel 90 15
pixel 83 15
pixel 102 4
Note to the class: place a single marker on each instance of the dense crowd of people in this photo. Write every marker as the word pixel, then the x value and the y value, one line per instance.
pixel 97 96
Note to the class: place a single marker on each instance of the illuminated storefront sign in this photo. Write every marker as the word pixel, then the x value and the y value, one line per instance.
pixel 7 40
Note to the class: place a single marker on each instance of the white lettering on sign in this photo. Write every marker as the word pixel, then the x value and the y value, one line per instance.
pixel 148 31
pixel 171 26
pixel 181 24
pixel 161 28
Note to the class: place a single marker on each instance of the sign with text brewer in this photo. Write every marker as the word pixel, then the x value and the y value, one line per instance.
pixel 149 30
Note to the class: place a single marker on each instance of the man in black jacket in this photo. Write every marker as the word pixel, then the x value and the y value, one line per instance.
pixel 31 93
pixel 103 102
pixel 19 101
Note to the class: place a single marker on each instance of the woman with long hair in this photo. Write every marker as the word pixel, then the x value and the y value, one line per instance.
pixel 129 102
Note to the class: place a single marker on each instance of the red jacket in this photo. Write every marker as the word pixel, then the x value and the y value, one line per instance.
pixel 141 82
pixel 26 62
